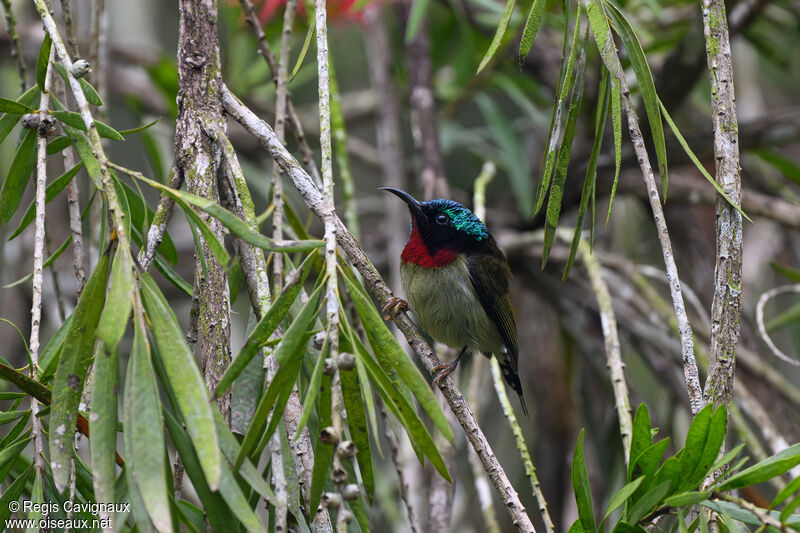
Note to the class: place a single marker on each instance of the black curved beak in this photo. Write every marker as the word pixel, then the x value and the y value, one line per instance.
pixel 413 205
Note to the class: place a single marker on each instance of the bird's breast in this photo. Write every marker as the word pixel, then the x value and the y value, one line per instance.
pixel 447 307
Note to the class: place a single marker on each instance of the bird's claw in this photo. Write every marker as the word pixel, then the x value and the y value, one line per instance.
pixel 442 371
pixel 392 307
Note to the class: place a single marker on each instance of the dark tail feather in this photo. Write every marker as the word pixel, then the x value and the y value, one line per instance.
pixel 512 378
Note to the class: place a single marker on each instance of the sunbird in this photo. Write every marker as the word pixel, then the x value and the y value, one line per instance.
pixel 456 282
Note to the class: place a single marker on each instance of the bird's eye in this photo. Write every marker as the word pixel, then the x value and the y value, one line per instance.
pixel 441 219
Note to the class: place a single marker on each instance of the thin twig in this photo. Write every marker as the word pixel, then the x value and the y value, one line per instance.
pixel 269 57
pixel 281 100
pixel 726 306
pixel 762 328
pixel 16 49
pixel 684 327
pixel 380 292
pixel 38 260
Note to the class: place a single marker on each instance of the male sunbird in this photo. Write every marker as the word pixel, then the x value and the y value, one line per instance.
pixel 456 281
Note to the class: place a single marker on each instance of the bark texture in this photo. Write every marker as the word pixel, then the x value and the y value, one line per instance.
pixel 726 306
pixel 196 162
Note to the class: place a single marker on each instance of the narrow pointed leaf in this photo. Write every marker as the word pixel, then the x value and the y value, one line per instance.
pixel 531 29
pixel 647 503
pixel 621 496
pixel 764 470
pixel 143 127
pixel 19 174
pixel 143 420
pixel 43 60
pixel 117 309
pixel 357 424
pixel 323 453
pixel 696 161
pixel 265 327
pixel 13 492
pixel 646 86
pixel 498 35
pixel 8 121
pixel 52 190
pixel 103 424
pixel 185 379
pixel 415 17
pixel 71 371
pixel 12 107
pixel 580 485
pixel 392 356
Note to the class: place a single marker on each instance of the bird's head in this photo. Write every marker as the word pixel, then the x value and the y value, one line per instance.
pixel 443 224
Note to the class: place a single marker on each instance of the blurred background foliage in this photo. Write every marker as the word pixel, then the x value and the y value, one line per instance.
pixel 502 115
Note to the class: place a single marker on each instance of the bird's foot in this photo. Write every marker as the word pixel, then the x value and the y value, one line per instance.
pixel 392 307
pixel 442 371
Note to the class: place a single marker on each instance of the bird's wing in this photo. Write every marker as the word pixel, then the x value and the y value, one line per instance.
pixel 490 275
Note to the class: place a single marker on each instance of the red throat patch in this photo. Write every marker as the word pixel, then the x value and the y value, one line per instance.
pixel 416 252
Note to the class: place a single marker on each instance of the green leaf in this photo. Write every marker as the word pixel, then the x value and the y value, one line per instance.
pixel 703 442
pixel 8 121
pixel 71 371
pixel 621 496
pixel 783 164
pixel 686 498
pixel 587 193
pixel 786 271
pixel 140 128
pixel 117 309
pixel 531 29
pixel 73 119
pixel 235 224
pixel 646 86
pixel 312 390
pixel 289 357
pixel 697 162
pixel 18 175
pixel 616 114
pixel 415 17
pixel 10 453
pixel 323 453
pixel 357 424
pixel 304 49
pixel 85 152
pixel 392 357
pixel 580 485
pixel 103 424
pixel 498 35
pixel 647 503
pixel 185 379
pixel 43 60
pixel 142 217
pixel 217 512
pixel 12 107
pixel 790 488
pixel 641 438
pixel 145 451
pixel 52 190
pixel 13 492
pixel 555 135
pixel 266 326
pixel 91 94
pixel 764 470
pixel 395 401
pixel 562 160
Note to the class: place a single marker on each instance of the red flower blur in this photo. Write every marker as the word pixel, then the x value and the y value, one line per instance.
pixel 338 10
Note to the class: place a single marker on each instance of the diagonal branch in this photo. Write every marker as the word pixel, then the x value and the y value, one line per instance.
pixel 381 292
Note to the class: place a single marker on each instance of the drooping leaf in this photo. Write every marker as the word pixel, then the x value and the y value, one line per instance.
pixel 19 174
pixel 52 190
pixel 75 120
pixel 8 121
pixel 697 162
pixel 289 358
pixel 767 469
pixel 580 485
pixel 498 35
pixel 43 61
pixel 138 129
pixel 13 492
pixel 646 86
pixel 304 49
pixel 323 453
pixel 357 424
pixel 145 452
pixel 117 309
pixel 71 371
pixel 531 29
pixel 103 424
pixel 392 356
pixel 265 327
pixel 184 378
pixel 12 107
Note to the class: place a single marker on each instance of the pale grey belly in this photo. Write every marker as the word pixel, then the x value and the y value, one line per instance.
pixel 446 306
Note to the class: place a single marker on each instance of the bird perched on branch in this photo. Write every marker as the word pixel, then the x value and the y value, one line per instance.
pixel 456 281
